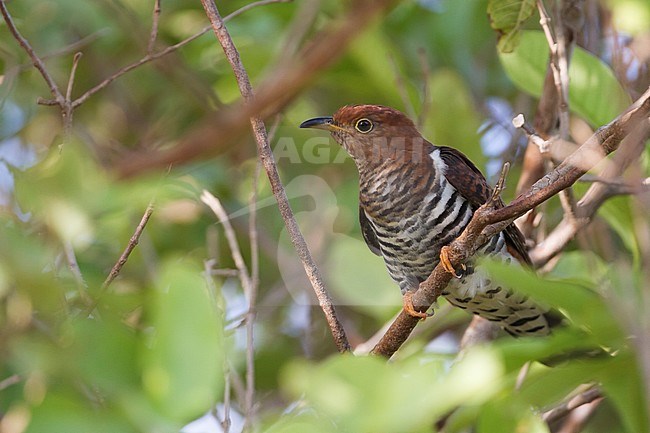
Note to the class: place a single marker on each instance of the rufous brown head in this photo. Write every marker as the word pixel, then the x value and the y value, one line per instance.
pixel 372 133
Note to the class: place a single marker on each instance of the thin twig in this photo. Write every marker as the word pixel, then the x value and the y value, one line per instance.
pixel 67 110
pixel 558 62
pixel 266 155
pixel 213 203
pixel 252 297
pixel 566 407
pixel 251 314
pixel 71 259
pixel 150 56
pixel 560 49
pixel 226 422
pixel 38 63
pixel 135 238
pixel 250 293
pixel 596 195
pixel 73 73
pixel 154 27
pixel 11 380
pixel 578 417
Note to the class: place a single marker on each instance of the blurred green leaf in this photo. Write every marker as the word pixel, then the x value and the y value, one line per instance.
pixel 453 119
pixel 630 16
pixel 370 51
pixel 507 17
pixel 352 391
pixel 104 353
pixel 304 421
pixel 624 384
pixel 582 304
pixel 364 283
pixel 63 413
pixel 580 266
pixel 618 214
pixel 594 91
pixel 183 368
pixel 510 418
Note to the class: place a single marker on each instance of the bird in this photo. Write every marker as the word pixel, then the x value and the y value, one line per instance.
pixel 414 199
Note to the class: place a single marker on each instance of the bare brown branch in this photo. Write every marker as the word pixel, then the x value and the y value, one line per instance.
pixel 133 242
pixel 154 27
pixel 604 188
pixel 249 291
pixel 151 55
pixel 266 155
pixel 566 407
pixel 38 63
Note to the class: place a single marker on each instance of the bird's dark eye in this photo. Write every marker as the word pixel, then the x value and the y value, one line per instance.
pixel 363 125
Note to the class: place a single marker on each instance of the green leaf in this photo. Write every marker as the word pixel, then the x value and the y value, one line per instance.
pixel 623 383
pixel 105 354
pixel 183 369
pixel 594 91
pixel 453 119
pixel 60 412
pixel 618 214
pixel 583 305
pixel 363 283
pixel 368 395
pixel 511 417
pixel 507 17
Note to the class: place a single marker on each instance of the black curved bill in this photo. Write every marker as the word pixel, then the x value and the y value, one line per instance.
pixel 318 123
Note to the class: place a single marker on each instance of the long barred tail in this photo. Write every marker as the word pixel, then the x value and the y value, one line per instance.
pixel 514 312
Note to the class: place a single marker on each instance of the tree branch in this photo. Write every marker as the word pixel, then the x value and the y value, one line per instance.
pixel 135 238
pixel 37 62
pixel 150 56
pixel 596 195
pixel 249 292
pixel 268 161
pixel 566 407
pixel 154 26
pixel 487 221
pixel 285 82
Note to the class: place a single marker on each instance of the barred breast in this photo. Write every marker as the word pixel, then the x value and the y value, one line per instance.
pixel 414 212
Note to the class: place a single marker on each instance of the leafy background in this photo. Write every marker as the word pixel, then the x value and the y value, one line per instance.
pixel 166 342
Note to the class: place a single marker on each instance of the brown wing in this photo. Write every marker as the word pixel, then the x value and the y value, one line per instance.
pixel 368 232
pixel 471 184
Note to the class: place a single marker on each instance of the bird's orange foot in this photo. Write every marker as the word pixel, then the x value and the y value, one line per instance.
pixel 410 309
pixel 444 259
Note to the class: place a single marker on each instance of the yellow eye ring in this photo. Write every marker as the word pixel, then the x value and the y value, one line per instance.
pixel 364 126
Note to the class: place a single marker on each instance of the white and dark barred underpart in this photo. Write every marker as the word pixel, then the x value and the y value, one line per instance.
pixel 413 214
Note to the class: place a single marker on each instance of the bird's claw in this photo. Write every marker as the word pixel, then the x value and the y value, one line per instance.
pixel 444 260
pixel 410 308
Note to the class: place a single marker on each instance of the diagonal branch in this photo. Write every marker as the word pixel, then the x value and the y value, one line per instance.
pixel 38 63
pixel 268 161
pixel 487 221
pixel 605 187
